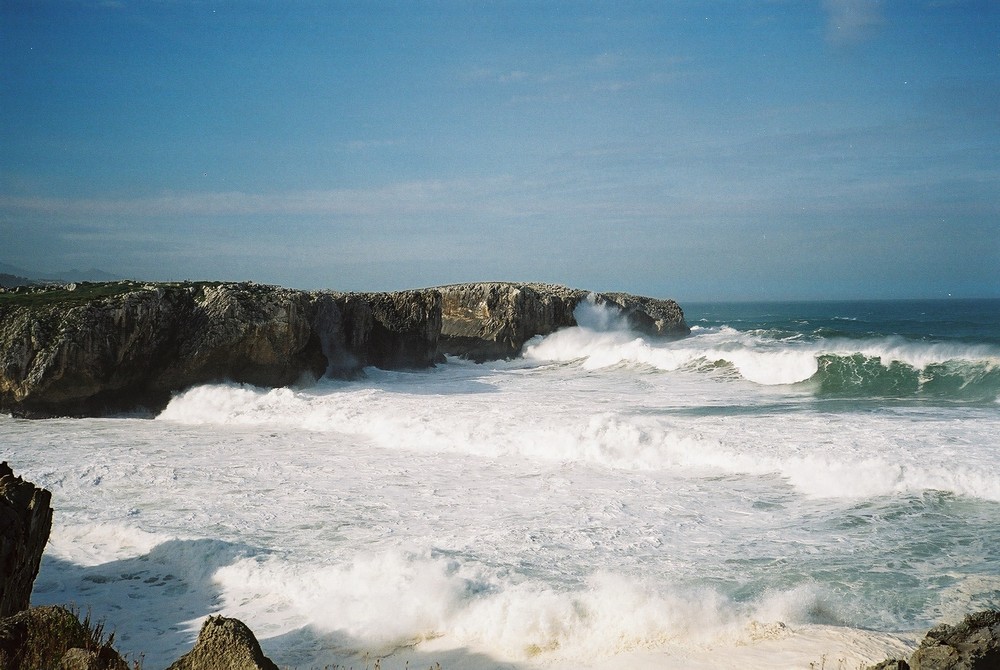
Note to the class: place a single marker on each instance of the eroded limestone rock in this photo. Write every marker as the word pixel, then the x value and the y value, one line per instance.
pixel 25 522
pixel 488 321
pixel 972 644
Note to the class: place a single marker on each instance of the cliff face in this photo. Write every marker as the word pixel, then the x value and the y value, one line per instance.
pixel 105 347
pixel 390 330
pixel 489 321
pixel 98 348
pixel 25 522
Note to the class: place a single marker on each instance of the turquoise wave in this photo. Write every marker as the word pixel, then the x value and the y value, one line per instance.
pixel 858 375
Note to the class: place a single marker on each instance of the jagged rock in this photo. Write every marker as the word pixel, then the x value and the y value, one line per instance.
pixel 248 333
pixel 493 320
pixel 392 330
pixel 973 644
pixel 890 664
pixel 88 659
pixel 25 522
pixel 488 321
pixel 652 316
pixel 41 637
pixel 224 644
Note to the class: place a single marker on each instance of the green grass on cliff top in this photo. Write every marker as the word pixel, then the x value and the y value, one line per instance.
pixel 71 295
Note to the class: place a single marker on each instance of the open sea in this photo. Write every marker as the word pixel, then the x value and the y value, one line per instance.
pixel 795 485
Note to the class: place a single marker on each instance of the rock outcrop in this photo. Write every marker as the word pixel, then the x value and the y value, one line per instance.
pixel 25 522
pixel 54 637
pixel 489 321
pixel 92 349
pixel 972 644
pixel 89 349
pixel 224 643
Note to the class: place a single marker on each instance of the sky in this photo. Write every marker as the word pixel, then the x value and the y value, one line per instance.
pixel 700 150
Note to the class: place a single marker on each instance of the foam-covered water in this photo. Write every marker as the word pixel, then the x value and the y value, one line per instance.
pixel 769 491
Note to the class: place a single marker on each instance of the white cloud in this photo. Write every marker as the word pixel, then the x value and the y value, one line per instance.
pixel 851 21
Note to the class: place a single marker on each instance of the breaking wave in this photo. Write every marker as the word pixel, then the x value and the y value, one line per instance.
pixel 879 367
pixel 862 375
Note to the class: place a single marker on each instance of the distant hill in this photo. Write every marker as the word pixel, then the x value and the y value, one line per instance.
pixel 18 275
pixel 10 281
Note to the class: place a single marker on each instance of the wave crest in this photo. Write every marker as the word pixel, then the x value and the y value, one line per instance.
pixel 857 375
pixel 877 367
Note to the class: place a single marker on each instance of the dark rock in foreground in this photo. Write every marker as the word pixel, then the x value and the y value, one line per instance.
pixel 893 664
pixel 25 522
pixel 973 644
pixel 92 349
pixel 224 643
pixel 53 637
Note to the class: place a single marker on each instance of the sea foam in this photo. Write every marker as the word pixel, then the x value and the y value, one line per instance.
pixel 609 499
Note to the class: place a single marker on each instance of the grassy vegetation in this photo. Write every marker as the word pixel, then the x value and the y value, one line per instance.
pixel 72 295
pixel 49 632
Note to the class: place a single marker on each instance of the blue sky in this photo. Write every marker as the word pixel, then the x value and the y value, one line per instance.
pixel 732 149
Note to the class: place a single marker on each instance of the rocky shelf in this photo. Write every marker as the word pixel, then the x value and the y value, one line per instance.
pixel 96 348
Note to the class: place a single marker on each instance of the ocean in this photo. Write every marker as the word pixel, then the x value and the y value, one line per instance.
pixel 795 485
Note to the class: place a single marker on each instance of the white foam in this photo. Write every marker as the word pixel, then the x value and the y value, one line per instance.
pixel 602 339
pixel 94 544
pixel 653 512
pixel 399 599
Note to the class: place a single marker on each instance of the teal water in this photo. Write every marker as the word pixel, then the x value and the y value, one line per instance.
pixel 964 321
pixel 928 350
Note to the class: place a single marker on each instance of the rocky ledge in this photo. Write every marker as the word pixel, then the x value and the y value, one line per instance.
pixel 90 349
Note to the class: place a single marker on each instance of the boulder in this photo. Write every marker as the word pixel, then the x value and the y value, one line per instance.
pixel 890 664
pixel 88 659
pixel 973 644
pixel 25 522
pixel 224 644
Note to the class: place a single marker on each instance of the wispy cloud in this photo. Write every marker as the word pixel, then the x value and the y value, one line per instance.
pixel 851 21
pixel 603 74
pixel 405 198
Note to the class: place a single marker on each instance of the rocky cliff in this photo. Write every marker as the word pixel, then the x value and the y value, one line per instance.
pixel 90 349
pixel 25 522
pixel 489 321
